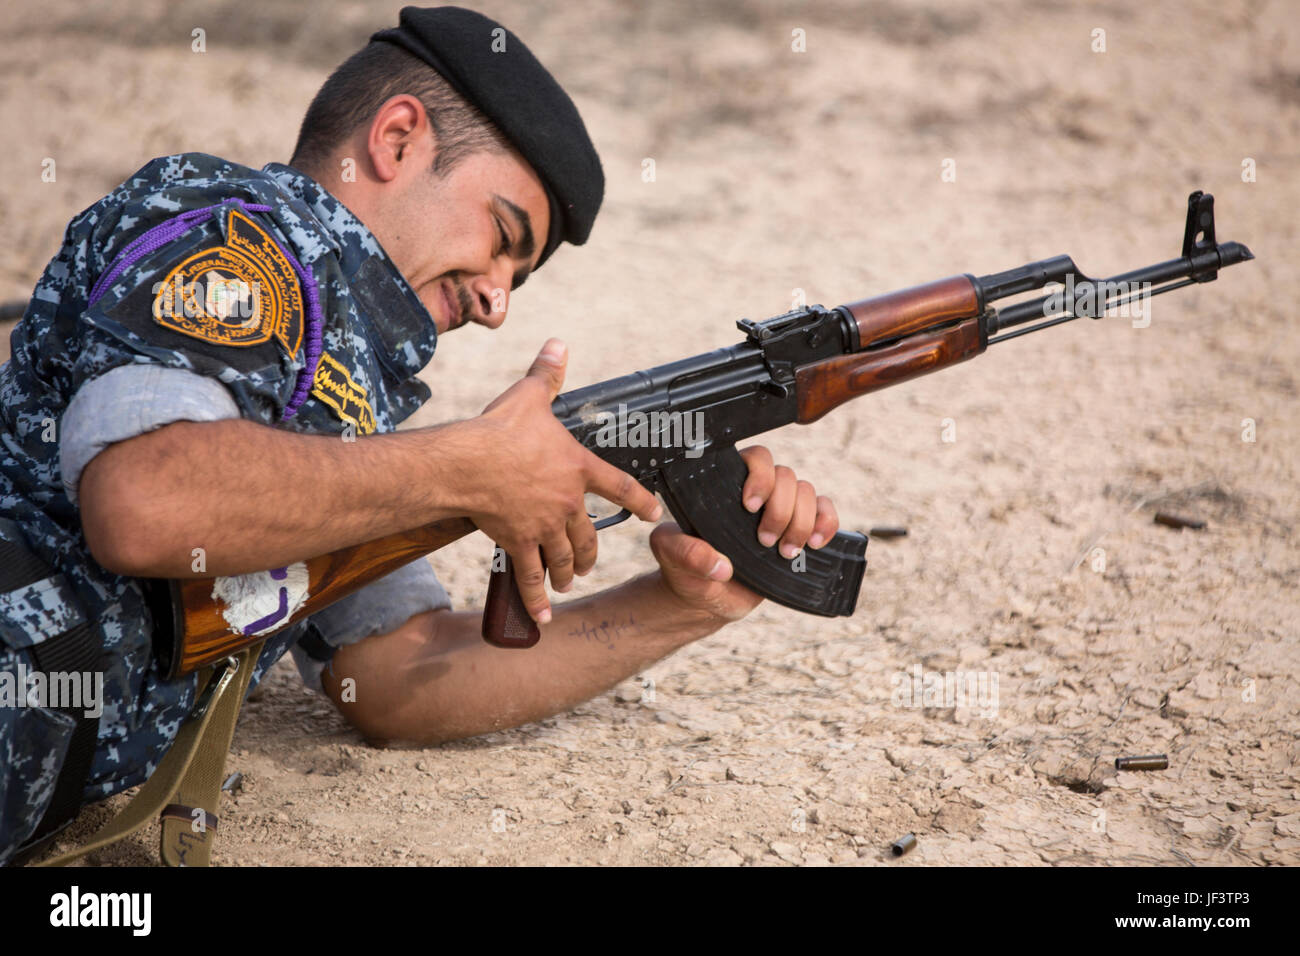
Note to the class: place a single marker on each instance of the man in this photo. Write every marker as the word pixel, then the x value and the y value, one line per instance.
pixel 190 358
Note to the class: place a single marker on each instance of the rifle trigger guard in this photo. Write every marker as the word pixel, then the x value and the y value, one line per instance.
pixel 611 519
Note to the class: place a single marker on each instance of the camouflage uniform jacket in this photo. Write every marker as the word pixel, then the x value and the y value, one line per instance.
pixel 198 290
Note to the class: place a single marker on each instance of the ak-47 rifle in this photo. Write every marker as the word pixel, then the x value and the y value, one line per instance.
pixel 795 367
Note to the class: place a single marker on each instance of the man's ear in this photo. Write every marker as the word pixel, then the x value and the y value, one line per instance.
pixel 400 138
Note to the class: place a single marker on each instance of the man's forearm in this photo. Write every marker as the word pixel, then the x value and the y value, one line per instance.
pixel 254 497
pixel 435 679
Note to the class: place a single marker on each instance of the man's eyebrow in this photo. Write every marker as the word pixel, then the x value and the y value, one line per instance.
pixel 527 245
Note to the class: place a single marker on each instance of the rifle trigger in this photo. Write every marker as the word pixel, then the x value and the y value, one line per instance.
pixel 611 520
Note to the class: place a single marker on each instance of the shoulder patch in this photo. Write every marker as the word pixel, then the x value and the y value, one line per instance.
pixel 240 294
pixel 334 386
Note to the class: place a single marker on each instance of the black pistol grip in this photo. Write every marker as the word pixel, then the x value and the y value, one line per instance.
pixel 704 495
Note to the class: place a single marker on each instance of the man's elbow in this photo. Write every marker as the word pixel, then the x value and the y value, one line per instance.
pixel 384 684
pixel 382 724
pixel 121 546
pixel 123 527
pixel 381 721
pixel 379 729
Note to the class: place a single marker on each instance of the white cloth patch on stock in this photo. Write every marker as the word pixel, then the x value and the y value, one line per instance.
pixel 263 600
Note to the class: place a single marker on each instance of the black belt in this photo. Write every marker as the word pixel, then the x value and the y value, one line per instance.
pixel 75 650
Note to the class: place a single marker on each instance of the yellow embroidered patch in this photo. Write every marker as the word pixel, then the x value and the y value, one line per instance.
pixel 239 294
pixel 333 385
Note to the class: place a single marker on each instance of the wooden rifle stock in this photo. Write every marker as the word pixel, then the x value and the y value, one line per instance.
pixel 200 635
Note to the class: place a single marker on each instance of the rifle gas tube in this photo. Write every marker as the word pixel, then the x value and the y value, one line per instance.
pixel 675 429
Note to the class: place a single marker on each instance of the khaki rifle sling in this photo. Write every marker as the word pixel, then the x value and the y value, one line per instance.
pixel 190 772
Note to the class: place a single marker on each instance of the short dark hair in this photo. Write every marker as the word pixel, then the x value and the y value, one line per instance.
pixel 369 78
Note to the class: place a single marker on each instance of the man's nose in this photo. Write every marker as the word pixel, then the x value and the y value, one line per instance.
pixel 492 294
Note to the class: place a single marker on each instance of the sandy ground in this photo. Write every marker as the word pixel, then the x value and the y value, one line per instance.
pixel 783 739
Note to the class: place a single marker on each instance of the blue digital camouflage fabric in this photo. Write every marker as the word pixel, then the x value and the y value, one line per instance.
pixel 376 335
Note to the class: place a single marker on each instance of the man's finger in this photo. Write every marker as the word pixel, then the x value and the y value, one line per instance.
pixel 779 507
pixel 549 366
pixel 530 575
pixel 762 477
pixel 622 489
pixel 693 555
pixel 828 522
pixel 582 536
pixel 801 521
pixel 559 562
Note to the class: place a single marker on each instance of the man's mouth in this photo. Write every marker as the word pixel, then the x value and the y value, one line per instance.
pixel 453 310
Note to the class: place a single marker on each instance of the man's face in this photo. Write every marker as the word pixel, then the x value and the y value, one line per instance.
pixel 466 238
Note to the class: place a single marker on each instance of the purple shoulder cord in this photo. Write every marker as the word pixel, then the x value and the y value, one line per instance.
pixel 165 232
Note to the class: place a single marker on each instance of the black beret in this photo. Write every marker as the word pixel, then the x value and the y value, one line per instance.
pixel 522 100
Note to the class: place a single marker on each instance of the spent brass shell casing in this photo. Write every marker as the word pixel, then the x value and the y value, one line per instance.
pixel 888 532
pixel 903 844
pixel 1174 521
pixel 1153 762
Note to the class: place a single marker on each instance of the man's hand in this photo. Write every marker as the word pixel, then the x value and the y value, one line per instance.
pixel 533 495
pixel 794 515
pixel 435 679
